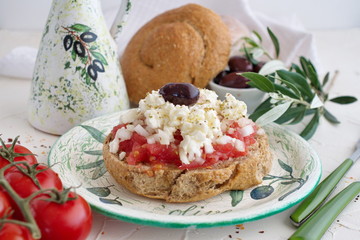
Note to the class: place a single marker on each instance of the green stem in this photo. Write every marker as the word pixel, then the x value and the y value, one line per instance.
pixel 266 53
pixel 22 203
pixel 17 222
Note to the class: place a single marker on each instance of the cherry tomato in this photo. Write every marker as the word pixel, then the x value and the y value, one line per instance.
pixel 25 186
pixel 5 205
pixel 11 231
pixel 31 159
pixel 71 220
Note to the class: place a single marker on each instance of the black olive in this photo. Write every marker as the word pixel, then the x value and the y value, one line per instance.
pixel 240 64
pixel 79 49
pixel 233 80
pixel 98 66
pixel 88 37
pixel 68 40
pixel 92 72
pixel 220 76
pixel 180 93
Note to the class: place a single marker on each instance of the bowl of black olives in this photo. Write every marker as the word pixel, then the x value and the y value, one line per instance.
pixel 229 81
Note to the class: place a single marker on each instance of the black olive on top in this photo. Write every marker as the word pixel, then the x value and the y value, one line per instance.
pixel 180 93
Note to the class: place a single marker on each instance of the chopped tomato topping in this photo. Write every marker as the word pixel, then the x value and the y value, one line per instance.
pixel 139 151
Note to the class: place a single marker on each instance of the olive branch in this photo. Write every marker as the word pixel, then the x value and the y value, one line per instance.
pixel 82 43
pixel 294 93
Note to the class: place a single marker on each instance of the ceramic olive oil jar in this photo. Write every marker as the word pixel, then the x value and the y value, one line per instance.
pixel 77 74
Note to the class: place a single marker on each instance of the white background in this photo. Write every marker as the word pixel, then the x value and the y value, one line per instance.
pixel 314 14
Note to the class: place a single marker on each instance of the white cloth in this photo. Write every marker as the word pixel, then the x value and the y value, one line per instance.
pixel 294 40
pixel 19 62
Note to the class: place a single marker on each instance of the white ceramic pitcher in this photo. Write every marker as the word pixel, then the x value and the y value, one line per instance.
pixel 77 74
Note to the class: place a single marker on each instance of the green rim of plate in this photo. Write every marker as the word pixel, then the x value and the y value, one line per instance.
pixel 138 219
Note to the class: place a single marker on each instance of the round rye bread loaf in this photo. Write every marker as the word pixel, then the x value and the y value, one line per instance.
pixel 182 185
pixel 188 44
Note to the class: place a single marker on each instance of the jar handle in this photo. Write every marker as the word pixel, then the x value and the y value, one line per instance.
pixel 120 18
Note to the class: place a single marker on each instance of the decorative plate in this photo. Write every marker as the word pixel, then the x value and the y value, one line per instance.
pixel 77 156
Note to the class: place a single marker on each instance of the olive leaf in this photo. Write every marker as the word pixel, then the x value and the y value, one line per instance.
pixel 268 177
pixel 78 68
pixel 271 67
pixel 87 78
pixel 297 69
pixel 236 197
pixel 100 191
pixel 261 109
pixel 258 81
pixel 273 114
pixel 344 99
pixel 299 116
pixel 292 87
pixel 83 72
pixel 95 133
pixel 93 47
pixel 73 54
pixel 289 182
pixel 94 152
pixel 326 79
pixel 90 165
pixel 310 72
pixel 285 166
pixel 257 35
pixel 331 118
pixel 310 129
pixel 100 57
pixel 250 57
pixel 275 42
pixel 110 201
pixel 80 27
pixel 298 80
pixel 250 41
pixel 291 113
pixel 99 172
pixel 67 65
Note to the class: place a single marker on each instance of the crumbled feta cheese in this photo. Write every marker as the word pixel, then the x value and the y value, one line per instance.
pixel 129 117
pixel 123 134
pixel 233 109
pixel 200 125
pixel 246 131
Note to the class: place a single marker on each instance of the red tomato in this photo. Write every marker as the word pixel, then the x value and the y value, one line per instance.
pixel 5 205
pixel 138 139
pixel 25 186
pixel 71 220
pixel 11 231
pixel 138 155
pixel 31 159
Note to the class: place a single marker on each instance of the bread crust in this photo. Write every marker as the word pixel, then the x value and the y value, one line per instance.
pixel 176 185
pixel 188 44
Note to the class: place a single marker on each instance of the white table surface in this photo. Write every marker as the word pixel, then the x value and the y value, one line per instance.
pixel 338 50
